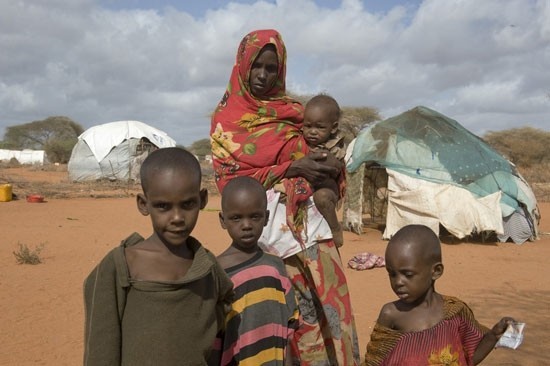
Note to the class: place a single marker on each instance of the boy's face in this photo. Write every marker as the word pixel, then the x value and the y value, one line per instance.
pixel 244 216
pixel 318 125
pixel 411 275
pixel 173 200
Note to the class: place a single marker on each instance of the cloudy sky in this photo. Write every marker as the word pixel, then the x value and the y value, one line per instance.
pixel 167 63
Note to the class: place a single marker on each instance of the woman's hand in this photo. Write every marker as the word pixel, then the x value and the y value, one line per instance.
pixel 313 167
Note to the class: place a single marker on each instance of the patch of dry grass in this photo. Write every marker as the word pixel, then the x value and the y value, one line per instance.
pixel 538 177
pixel 541 191
pixel 26 255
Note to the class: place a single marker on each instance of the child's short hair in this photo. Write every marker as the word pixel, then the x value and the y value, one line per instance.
pixel 169 158
pixel 419 236
pixel 244 183
pixel 328 102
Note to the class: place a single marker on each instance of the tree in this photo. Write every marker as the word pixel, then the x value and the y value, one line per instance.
pixel 201 147
pixel 524 146
pixel 55 135
pixel 354 119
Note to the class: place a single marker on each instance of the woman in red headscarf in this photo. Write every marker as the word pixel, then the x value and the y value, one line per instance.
pixel 255 132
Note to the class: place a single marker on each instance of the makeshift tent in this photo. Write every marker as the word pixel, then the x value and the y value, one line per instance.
pixel 114 150
pixel 24 156
pixel 436 172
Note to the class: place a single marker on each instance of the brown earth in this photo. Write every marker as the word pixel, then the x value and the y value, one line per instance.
pixel 41 310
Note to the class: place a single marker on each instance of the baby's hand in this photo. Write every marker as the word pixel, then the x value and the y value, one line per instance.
pixel 501 326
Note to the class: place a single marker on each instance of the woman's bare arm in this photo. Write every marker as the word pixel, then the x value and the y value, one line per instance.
pixel 313 167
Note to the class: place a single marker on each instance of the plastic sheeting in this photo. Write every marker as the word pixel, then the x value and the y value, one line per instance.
pixel 416 201
pixel 426 145
pixel 102 138
pixel 24 156
pixel 109 151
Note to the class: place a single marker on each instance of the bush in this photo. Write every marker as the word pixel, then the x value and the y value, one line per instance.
pixel 56 135
pixel 525 146
pixel 59 151
pixel 25 255
pixel 14 163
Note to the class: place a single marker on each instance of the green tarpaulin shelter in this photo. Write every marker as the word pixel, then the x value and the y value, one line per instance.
pixel 432 159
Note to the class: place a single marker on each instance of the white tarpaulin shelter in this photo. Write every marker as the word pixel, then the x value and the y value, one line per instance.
pixel 24 156
pixel 114 150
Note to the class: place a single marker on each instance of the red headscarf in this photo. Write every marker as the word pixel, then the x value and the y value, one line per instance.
pixel 252 137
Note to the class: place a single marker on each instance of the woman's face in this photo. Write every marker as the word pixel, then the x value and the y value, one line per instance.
pixel 263 73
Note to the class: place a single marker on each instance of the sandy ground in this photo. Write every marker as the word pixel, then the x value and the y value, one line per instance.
pixel 41 309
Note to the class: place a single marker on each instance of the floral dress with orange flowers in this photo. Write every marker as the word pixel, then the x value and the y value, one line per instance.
pixel 261 139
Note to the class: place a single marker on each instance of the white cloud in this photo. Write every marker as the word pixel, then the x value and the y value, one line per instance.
pixel 16 98
pixel 481 63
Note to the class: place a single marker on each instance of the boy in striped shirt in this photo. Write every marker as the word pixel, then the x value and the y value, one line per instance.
pixel 264 310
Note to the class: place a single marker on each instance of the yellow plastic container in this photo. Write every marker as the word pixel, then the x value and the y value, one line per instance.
pixel 5 192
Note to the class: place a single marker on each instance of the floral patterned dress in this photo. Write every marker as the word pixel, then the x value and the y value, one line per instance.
pixel 260 139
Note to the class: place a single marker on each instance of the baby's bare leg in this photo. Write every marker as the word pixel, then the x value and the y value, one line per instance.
pixel 325 200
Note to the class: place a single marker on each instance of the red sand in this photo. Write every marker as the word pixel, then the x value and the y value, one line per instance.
pixel 41 310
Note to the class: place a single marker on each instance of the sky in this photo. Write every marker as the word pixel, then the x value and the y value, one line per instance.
pixel 167 63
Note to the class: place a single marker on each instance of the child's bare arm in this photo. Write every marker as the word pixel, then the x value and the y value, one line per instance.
pixel 490 339
pixel 386 317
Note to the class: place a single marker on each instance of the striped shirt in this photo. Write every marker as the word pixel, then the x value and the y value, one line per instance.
pixel 450 342
pixel 257 327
